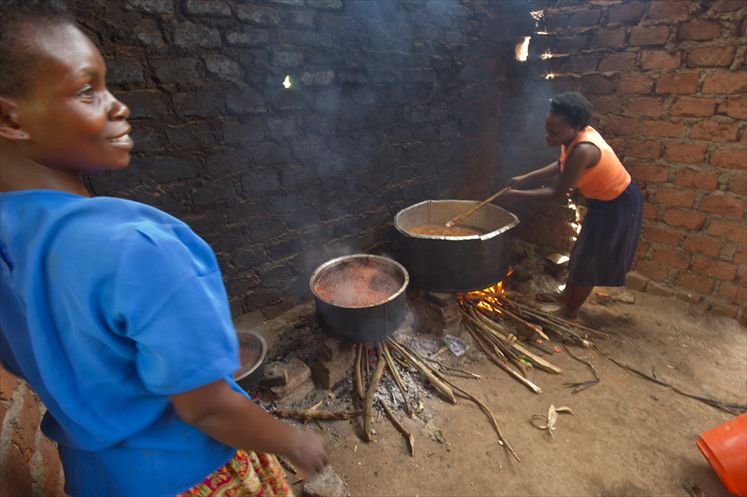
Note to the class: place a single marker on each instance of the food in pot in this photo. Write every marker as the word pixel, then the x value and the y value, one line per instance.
pixel 356 283
pixel 441 230
pixel 249 355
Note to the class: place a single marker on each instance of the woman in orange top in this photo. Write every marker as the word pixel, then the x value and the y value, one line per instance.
pixel 604 250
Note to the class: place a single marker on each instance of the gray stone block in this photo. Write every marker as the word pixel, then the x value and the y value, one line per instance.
pixel 325 4
pixel 261 16
pixel 187 34
pixel 121 71
pixel 151 6
pixel 248 38
pixel 177 71
pixel 224 68
pixel 210 8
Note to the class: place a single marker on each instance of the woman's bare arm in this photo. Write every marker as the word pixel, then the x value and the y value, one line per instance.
pixel 229 417
pixel 582 156
pixel 548 171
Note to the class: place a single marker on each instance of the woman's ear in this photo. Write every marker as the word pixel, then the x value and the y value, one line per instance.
pixel 10 129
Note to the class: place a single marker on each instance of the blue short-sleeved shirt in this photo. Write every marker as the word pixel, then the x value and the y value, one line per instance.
pixel 108 306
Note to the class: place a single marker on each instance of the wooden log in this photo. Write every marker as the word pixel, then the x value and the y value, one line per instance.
pixel 372 386
pixel 453 369
pixel 393 368
pixel 501 364
pixel 527 324
pixel 553 318
pixel 305 414
pixel 396 376
pixel 357 368
pixel 425 371
pixel 539 362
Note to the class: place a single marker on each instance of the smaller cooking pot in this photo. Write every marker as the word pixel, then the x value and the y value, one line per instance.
pixel 360 297
pixel 252 353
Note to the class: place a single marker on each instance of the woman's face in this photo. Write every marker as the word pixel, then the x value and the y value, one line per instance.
pixel 558 131
pixel 71 120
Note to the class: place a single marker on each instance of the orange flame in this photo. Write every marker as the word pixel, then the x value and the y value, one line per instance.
pixel 490 297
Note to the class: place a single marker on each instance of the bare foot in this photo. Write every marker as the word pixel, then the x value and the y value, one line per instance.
pixel 566 314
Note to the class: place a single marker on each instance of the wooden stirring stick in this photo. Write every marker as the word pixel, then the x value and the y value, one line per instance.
pixel 462 217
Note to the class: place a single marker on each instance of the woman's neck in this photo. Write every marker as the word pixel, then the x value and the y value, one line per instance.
pixel 21 173
pixel 575 135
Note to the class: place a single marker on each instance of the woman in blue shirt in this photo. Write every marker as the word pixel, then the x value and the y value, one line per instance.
pixel 113 311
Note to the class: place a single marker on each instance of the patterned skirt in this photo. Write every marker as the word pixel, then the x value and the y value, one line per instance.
pixel 247 474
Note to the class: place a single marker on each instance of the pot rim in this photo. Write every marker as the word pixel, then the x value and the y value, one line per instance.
pixel 486 236
pixel 262 355
pixel 338 260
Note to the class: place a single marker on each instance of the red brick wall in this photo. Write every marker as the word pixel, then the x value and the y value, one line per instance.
pixel 668 80
pixel 29 464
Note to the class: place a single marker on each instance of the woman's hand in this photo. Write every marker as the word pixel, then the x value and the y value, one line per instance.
pixel 308 454
pixel 232 418
pixel 516 181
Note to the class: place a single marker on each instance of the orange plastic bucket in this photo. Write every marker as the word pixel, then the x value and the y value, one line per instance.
pixel 725 448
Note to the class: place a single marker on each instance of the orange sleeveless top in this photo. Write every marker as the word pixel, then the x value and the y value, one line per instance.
pixel 606 179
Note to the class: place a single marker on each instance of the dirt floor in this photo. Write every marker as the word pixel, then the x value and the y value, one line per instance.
pixel 626 436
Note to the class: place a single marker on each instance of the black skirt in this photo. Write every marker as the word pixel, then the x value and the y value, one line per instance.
pixel 604 250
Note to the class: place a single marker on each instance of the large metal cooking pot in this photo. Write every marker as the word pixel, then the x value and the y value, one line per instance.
pixel 455 264
pixel 368 323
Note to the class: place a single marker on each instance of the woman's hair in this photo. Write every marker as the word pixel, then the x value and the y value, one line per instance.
pixel 573 106
pixel 19 20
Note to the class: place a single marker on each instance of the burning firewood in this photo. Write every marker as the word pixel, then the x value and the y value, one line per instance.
pixel 495 309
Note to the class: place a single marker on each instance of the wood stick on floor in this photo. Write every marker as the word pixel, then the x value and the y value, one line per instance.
pixel 372 386
pixel 501 439
pixel 490 416
pixel 425 371
pixel 453 369
pixel 400 428
pixel 357 372
pixel 287 412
